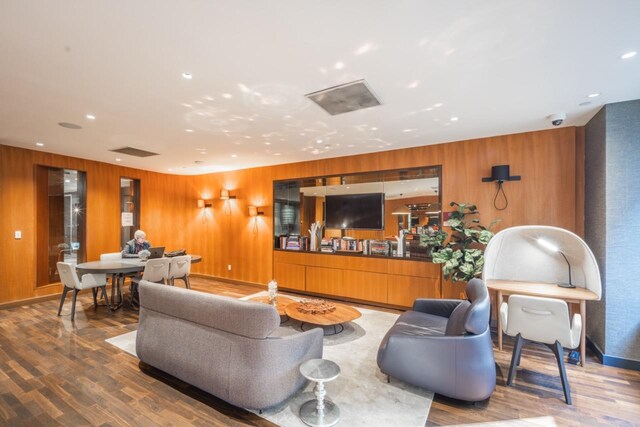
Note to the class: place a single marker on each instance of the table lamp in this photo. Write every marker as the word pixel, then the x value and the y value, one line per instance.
pixel 548 245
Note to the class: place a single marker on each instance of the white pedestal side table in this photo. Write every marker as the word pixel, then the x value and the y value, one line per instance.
pixel 318 412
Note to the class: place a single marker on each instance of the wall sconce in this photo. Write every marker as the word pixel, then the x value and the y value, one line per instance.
pixel 500 173
pixel 224 195
pixel 204 203
pixel 253 211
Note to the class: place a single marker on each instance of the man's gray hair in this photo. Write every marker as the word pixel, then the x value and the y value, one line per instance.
pixel 139 233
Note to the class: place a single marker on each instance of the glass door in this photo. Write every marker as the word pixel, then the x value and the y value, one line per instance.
pixel 129 208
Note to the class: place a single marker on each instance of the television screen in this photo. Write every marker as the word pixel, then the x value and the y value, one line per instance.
pixel 355 211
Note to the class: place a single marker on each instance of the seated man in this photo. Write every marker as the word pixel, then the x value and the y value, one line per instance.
pixel 133 247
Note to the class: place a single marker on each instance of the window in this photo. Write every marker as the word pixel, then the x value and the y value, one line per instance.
pixel 60 220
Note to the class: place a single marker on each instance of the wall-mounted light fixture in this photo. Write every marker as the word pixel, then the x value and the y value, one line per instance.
pixel 253 211
pixel 204 203
pixel 225 195
pixel 500 173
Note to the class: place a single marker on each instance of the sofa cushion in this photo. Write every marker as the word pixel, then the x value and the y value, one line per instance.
pixel 455 325
pixel 416 323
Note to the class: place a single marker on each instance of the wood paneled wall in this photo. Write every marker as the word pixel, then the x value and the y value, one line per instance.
pixel 225 234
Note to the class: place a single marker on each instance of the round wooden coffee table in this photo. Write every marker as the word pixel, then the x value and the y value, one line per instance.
pixel 342 314
pixel 281 302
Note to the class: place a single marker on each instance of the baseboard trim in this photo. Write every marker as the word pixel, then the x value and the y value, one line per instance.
pixel 608 360
pixel 28 301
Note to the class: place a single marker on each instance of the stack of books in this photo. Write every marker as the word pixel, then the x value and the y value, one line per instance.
pixel 326 246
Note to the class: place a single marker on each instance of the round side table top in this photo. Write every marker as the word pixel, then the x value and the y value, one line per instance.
pixel 281 302
pixel 320 370
pixel 342 314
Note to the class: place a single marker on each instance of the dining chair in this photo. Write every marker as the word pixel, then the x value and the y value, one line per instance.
pixel 543 320
pixel 111 256
pixel 180 269
pixel 155 270
pixel 70 280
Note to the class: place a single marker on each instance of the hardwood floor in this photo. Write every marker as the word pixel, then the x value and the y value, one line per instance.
pixel 53 372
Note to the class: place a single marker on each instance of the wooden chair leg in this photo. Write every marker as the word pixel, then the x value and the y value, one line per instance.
pixel 62 298
pixel 558 351
pixel 186 282
pixel 515 358
pixel 73 304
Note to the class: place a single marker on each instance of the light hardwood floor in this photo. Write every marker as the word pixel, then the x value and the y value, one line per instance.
pixel 53 372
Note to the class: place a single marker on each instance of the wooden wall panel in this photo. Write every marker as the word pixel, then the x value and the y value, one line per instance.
pixel 546 160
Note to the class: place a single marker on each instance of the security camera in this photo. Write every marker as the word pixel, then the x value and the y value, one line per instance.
pixel 557 119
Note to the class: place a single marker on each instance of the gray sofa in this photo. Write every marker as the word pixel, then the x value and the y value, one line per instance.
pixel 444 346
pixel 230 348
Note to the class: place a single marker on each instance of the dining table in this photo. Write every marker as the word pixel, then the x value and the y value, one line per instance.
pixel 118 270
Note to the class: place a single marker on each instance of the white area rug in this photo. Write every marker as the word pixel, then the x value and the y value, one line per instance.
pixel 361 391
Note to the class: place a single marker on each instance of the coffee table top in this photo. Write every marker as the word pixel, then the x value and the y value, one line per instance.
pixel 281 302
pixel 320 370
pixel 342 314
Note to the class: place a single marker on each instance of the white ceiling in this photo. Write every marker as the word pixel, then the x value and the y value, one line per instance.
pixel 501 67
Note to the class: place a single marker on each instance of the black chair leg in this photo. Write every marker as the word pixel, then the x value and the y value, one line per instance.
pixel 73 304
pixel 62 298
pixel 558 351
pixel 186 282
pixel 94 291
pixel 105 295
pixel 515 358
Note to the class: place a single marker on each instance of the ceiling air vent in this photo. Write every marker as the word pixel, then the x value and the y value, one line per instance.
pixel 134 152
pixel 345 98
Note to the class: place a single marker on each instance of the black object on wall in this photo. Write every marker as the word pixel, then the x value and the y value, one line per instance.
pixel 500 173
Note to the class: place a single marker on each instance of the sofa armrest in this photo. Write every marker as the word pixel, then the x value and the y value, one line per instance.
pixel 437 307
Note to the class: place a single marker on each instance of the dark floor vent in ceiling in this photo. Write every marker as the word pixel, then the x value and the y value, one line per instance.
pixel 134 152
pixel 345 98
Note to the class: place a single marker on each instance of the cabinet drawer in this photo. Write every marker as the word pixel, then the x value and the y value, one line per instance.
pixel 289 276
pixel 403 290
pixel 414 268
pixel 290 257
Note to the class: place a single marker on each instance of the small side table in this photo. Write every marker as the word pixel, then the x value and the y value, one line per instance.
pixel 318 413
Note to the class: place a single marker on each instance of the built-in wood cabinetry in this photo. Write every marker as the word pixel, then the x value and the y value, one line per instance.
pixel 376 280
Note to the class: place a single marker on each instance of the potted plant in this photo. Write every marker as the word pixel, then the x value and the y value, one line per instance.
pixel 462 255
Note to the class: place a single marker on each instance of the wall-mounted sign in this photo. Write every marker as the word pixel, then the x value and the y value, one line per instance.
pixel 127 219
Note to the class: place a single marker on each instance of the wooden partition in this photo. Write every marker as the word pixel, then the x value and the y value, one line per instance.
pixel 226 236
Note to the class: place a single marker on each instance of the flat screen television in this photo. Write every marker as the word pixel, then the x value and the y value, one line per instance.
pixel 355 211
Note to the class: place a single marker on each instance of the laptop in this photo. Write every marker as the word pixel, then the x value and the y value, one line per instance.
pixel 156 252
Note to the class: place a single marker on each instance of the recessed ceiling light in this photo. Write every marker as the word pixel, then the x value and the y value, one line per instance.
pixel 188 130
pixel 593 95
pixel 243 88
pixel 234 155
pixel 170 170
pixel 438 105
pixel 187 76
pixel 407 130
pixel 454 119
pixel 267 143
pixel 40 144
pixel 374 128
pixel 90 117
pixel 339 65
pixel 319 141
pixel 276 154
pixel 227 96
pixel 629 55
pixel 118 160
pixel 67 181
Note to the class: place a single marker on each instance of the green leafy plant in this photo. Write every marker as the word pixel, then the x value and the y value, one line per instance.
pixel 463 255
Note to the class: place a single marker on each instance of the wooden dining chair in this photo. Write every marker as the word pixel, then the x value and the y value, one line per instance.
pixel 71 282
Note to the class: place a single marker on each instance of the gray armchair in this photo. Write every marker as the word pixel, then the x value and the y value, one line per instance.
pixel 444 346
